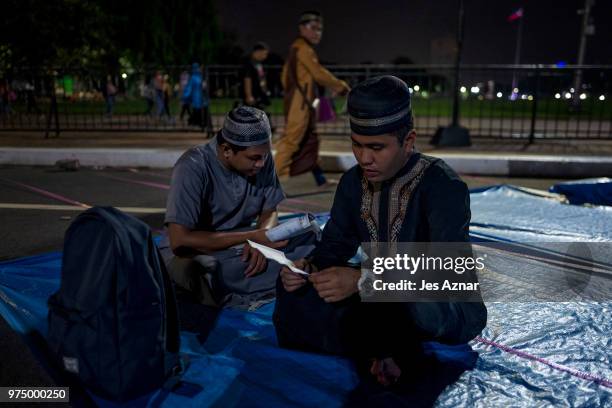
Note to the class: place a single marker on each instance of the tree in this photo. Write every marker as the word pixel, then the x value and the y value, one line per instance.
pixel 82 33
pixel 58 32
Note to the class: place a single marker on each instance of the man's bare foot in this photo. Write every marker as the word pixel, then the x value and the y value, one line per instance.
pixel 386 371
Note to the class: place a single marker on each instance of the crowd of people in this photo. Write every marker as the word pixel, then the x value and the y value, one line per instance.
pixel 11 92
pixel 191 89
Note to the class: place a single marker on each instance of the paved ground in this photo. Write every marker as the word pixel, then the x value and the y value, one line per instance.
pixel 38 203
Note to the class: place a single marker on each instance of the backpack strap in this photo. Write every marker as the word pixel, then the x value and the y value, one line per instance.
pixel 173 339
pixel 177 372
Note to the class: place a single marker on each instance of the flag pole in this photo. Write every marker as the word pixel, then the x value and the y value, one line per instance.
pixel 586 12
pixel 517 55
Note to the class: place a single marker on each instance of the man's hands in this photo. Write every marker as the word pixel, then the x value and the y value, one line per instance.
pixel 293 281
pixel 258 262
pixel 336 283
pixel 332 284
pixel 341 92
pixel 386 371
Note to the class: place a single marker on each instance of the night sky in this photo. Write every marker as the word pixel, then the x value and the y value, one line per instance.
pixel 380 30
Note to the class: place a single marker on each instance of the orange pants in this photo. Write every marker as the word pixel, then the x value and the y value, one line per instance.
pixel 300 122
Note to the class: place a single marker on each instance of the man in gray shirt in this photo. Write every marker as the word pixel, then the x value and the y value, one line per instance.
pixel 218 190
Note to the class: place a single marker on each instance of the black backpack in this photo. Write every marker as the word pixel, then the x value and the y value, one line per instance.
pixel 114 321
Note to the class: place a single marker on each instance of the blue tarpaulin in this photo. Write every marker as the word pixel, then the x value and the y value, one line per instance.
pixel 530 354
pixel 597 191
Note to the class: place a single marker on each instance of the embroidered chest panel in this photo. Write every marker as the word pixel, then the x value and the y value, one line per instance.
pixel 400 192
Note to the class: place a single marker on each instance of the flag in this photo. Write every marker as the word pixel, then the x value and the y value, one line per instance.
pixel 516 15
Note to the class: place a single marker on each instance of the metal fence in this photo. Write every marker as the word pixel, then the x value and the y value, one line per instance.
pixel 522 102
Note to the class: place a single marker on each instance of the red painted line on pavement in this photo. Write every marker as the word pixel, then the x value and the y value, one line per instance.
pixel 48 194
pixel 150 173
pixel 576 373
pixel 167 187
pixel 142 183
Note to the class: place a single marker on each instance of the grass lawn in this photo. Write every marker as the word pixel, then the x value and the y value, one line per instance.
pixel 432 107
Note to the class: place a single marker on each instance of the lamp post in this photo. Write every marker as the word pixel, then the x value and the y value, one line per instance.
pixel 455 135
pixel 587 29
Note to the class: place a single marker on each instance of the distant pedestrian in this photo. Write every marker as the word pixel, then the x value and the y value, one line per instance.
pixel 158 86
pixel 297 151
pixel 30 94
pixel 185 105
pixel 6 96
pixel 254 84
pixel 167 90
pixel 109 91
pixel 196 94
pixel 148 93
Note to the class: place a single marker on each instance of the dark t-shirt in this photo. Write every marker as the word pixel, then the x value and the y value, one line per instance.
pixel 257 74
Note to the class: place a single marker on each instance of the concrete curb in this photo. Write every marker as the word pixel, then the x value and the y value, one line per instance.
pixel 489 164
pixel 103 157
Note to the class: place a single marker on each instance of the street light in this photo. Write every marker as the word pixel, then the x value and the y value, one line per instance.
pixel 557 95
pixel 583 96
pixel 568 95
pixel 602 98
pixel 454 134
pixel 499 94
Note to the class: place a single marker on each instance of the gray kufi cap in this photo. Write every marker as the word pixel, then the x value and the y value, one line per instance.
pixel 246 126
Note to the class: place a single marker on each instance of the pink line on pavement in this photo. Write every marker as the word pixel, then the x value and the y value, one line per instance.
pixel 48 194
pixel 576 373
pixel 143 183
pixel 167 187
pixel 149 173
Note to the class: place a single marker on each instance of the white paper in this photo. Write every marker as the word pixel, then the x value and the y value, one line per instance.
pixel 277 256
